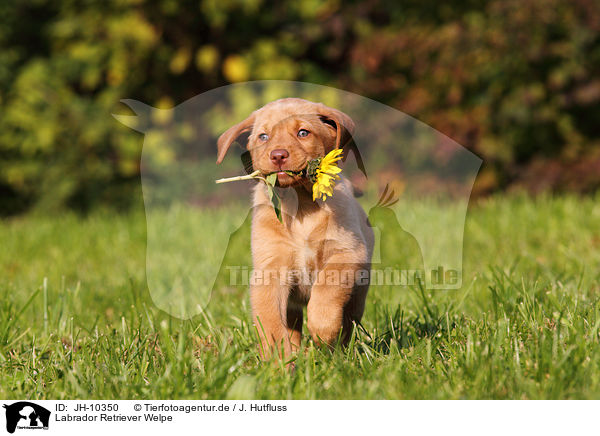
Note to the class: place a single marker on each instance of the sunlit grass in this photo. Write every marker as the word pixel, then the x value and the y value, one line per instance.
pixel 525 324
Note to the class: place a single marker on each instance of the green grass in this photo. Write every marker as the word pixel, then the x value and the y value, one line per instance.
pixel 525 324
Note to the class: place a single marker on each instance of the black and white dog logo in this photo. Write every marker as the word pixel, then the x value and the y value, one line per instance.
pixel 26 415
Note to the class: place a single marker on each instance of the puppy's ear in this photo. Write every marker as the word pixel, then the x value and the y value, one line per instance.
pixel 246 158
pixel 231 134
pixel 343 124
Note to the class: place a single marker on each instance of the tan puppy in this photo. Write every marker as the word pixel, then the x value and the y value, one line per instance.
pixel 320 255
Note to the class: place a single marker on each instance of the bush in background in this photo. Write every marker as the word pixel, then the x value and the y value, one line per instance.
pixel 515 81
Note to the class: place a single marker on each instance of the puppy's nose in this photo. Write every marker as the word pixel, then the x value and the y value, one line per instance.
pixel 279 156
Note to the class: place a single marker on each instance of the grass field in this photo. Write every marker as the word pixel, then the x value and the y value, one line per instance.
pixel 77 319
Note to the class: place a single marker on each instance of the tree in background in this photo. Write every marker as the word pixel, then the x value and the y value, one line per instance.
pixel 515 81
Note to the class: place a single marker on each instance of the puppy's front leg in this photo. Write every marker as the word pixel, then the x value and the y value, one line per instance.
pixel 269 313
pixel 334 301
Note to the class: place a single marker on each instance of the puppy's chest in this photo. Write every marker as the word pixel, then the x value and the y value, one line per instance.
pixel 307 240
pixel 306 244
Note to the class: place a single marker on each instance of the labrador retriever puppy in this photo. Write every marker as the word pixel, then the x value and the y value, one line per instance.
pixel 319 255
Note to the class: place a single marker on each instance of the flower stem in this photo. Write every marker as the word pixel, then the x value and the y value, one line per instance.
pixel 254 175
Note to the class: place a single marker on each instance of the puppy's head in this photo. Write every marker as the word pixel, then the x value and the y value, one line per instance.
pixel 285 134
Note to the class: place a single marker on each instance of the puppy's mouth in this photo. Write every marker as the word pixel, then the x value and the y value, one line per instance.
pixel 298 173
pixel 287 177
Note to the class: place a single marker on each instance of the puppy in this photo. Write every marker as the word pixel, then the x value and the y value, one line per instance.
pixel 319 255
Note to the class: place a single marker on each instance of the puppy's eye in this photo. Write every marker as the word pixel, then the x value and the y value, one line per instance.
pixel 263 137
pixel 303 133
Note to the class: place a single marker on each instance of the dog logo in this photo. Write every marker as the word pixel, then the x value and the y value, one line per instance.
pixel 198 232
pixel 26 415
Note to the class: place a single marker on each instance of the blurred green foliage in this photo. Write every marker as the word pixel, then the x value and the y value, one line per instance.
pixel 515 81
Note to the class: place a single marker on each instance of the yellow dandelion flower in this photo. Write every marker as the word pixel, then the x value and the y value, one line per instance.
pixel 326 174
